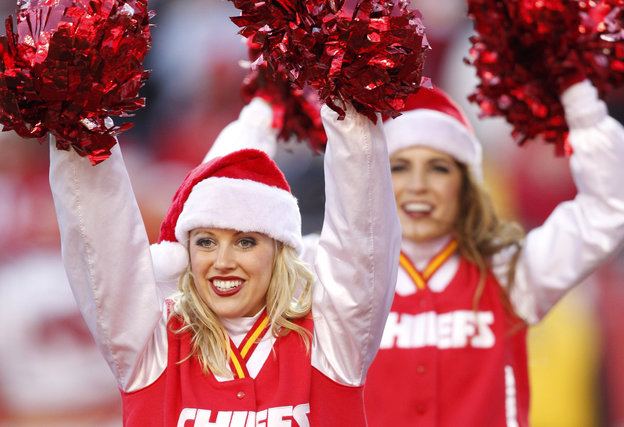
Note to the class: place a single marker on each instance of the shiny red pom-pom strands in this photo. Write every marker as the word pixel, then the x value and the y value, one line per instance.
pixel 68 65
pixel 369 53
pixel 296 111
pixel 526 52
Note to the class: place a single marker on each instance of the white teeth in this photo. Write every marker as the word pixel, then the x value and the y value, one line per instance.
pixel 224 285
pixel 416 207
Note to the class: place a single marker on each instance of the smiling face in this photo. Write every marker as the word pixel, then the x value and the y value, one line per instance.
pixel 427 185
pixel 232 269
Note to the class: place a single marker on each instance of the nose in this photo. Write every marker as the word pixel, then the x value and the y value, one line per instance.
pixel 225 259
pixel 417 182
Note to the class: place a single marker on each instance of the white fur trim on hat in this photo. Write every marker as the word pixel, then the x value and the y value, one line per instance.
pixel 170 259
pixel 242 205
pixel 433 129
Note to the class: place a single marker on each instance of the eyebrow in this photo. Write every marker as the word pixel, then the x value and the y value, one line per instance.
pixel 399 159
pixel 210 233
pixel 431 160
pixel 442 159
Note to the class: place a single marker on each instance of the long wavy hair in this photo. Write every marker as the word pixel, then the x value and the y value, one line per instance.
pixel 480 233
pixel 289 297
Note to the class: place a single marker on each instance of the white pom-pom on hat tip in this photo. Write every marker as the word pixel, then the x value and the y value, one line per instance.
pixel 170 260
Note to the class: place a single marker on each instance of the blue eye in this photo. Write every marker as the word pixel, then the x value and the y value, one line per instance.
pixel 247 242
pixel 204 242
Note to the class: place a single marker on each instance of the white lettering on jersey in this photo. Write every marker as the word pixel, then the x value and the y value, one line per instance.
pixel 300 415
pixel 185 415
pixel 511 406
pixel 455 329
pixel 281 416
pixel 240 419
pixel 203 418
pixel 261 418
pixel 277 416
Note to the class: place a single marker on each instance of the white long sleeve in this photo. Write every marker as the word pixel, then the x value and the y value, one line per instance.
pixel 357 256
pixel 108 263
pixel 580 234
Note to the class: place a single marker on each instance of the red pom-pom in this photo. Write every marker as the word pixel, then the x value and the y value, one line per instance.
pixel 70 65
pixel 370 53
pixel 296 112
pixel 527 52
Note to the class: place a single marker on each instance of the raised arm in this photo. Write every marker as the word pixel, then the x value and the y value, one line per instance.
pixel 107 260
pixel 357 258
pixel 583 233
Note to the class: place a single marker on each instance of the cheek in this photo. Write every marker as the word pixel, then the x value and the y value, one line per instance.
pixel 263 268
pixel 398 184
pixel 453 195
pixel 199 262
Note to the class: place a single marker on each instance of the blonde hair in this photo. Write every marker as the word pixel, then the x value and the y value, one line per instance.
pixel 289 297
pixel 480 233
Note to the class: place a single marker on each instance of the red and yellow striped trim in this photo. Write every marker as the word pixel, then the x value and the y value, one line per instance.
pixel 239 356
pixel 420 279
pixel 411 270
pixel 238 369
pixel 251 340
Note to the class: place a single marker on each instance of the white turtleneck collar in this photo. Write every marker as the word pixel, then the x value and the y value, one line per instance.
pixel 421 253
pixel 238 327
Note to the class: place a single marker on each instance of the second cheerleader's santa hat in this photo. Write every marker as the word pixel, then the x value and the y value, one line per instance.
pixel 243 191
pixel 432 119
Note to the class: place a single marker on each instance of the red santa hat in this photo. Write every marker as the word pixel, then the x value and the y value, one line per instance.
pixel 243 191
pixel 432 119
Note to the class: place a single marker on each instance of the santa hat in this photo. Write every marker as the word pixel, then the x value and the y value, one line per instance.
pixel 243 191
pixel 432 119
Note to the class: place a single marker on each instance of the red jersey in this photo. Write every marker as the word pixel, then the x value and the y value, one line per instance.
pixel 443 363
pixel 184 396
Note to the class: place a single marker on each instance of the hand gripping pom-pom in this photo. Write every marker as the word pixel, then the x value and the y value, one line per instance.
pixel 369 53
pixel 527 52
pixel 71 64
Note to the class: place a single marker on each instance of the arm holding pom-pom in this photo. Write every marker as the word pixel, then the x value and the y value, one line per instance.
pixel 583 233
pixel 107 259
pixel 357 260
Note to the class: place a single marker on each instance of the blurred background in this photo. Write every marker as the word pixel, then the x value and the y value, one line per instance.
pixel 51 374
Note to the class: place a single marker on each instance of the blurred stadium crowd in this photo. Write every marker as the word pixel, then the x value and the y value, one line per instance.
pixel 52 375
